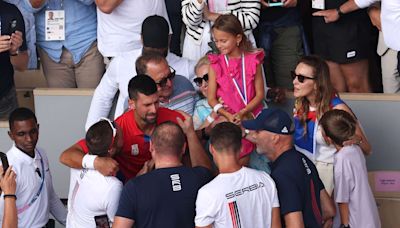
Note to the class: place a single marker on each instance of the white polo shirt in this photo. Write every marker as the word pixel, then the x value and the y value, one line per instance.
pixel 91 194
pixel 120 31
pixel 390 17
pixel 33 213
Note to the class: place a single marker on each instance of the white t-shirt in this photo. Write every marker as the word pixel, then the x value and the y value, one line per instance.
pixel 29 182
pixel 390 17
pixel 91 194
pixel 120 30
pixel 245 198
pixel 118 74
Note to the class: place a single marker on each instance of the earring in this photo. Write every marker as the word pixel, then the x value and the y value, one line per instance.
pixel 237 44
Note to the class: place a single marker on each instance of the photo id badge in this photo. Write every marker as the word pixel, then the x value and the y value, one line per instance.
pixel 318 4
pixel 55 25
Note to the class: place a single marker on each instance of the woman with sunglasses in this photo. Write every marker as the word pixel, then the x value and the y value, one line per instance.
pixel 203 114
pixel 314 96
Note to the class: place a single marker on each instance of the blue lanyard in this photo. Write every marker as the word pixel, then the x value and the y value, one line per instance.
pixel 26 206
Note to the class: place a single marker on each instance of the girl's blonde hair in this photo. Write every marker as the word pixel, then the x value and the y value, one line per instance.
pixel 230 24
pixel 323 93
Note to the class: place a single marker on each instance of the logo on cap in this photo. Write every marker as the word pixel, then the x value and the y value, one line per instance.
pixel 285 130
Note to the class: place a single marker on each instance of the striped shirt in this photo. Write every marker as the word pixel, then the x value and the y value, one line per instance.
pixel 183 97
pixel 247 11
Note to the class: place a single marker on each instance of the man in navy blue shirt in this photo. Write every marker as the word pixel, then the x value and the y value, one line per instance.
pixel 302 196
pixel 166 196
pixel 13 54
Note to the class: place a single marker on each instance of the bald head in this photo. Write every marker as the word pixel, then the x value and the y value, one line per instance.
pixel 168 139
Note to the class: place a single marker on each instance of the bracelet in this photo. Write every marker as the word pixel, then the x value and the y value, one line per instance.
pixel 88 161
pixel 217 107
pixel 10 196
pixel 210 119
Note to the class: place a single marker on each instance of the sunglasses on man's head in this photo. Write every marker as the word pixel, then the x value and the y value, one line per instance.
pixel 300 77
pixel 170 76
pixel 199 81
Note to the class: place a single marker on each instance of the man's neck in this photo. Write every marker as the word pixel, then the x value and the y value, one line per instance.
pixel 146 128
pixel 229 165
pixel 170 163
pixel 163 99
pixel 280 151
pixel 30 154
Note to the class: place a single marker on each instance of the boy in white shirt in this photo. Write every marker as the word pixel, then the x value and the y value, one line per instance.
pixel 238 196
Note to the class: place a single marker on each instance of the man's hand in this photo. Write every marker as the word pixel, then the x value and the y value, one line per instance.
pixel 106 166
pixel 375 16
pixel 7 182
pixel 289 3
pixel 330 15
pixel 147 167
pixel 5 43
pixel 187 125
pixel 16 41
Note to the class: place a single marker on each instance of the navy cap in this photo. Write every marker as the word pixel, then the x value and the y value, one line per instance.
pixel 155 32
pixel 272 120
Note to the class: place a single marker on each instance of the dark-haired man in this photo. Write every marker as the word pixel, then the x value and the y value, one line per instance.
pixel 166 196
pixel 175 91
pixel 238 196
pixel 137 125
pixel 155 37
pixel 90 193
pixel 302 196
pixel 35 195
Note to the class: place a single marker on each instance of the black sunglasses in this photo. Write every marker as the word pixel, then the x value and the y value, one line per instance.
pixel 170 76
pixel 300 77
pixel 199 81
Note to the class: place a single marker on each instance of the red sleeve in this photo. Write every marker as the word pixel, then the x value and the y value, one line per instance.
pixel 82 144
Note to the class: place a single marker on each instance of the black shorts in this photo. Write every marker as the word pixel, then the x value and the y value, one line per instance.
pixel 344 41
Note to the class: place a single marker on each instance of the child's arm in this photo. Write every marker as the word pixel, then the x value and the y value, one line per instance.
pixel 212 95
pixel 344 213
pixel 260 94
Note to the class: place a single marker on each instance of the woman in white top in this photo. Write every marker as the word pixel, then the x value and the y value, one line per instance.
pixel 315 95
pixel 198 15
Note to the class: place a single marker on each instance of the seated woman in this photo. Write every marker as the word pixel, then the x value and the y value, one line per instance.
pixel 314 96
pixel 203 114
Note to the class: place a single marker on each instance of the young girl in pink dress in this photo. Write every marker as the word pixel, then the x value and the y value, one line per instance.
pixel 235 76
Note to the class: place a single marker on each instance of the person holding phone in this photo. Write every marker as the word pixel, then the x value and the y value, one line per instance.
pixel 8 187
pixel 280 33
pixel 13 54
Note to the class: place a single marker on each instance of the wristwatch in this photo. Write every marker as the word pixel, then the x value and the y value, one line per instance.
pixel 340 13
pixel 344 226
pixel 246 132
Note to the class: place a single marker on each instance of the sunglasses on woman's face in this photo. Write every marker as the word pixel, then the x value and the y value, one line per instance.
pixel 199 81
pixel 300 77
pixel 170 76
